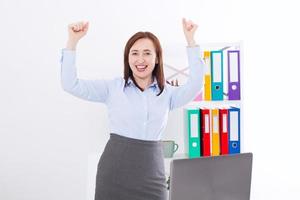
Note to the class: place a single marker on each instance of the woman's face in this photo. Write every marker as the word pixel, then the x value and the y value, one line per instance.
pixel 142 58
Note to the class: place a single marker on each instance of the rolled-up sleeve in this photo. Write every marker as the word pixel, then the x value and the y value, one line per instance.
pixel 91 90
pixel 184 94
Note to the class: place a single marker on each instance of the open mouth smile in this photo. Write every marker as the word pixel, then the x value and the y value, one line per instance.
pixel 141 68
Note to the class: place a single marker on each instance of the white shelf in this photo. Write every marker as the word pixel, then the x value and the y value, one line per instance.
pixel 214 103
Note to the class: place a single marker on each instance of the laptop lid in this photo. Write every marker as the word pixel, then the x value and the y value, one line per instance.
pixel 226 177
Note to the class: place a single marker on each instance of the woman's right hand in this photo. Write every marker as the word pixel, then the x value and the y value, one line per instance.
pixel 76 32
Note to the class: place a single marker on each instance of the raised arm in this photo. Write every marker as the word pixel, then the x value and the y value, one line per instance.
pixel 183 94
pixel 91 90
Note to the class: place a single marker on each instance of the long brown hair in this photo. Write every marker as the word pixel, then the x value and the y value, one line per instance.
pixel 158 72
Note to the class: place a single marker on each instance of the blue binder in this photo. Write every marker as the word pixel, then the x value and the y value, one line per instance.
pixel 217 75
pixel 234 128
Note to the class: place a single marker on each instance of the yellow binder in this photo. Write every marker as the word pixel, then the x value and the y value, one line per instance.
pixel 215 132
pixel 207 76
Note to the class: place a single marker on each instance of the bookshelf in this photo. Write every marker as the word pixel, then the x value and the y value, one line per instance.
pixel 225 102
pixel 225 90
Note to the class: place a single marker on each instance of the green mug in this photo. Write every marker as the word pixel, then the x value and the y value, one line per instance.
pixel 169 148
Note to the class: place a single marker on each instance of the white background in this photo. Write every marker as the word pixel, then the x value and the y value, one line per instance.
pixel 48 137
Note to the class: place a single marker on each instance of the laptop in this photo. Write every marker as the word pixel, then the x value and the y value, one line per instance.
pixel 226 177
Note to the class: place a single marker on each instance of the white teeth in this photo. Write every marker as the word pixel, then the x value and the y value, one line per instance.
pixel 141 66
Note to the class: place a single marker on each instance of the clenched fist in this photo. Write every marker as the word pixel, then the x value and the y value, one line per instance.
pixel 189 29
pixel 76 32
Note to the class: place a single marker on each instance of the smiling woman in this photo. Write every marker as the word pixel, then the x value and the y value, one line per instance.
pixel 142 56
pixel 132 166
pixel 143 60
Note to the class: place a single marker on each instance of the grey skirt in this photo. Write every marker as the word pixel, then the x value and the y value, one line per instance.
pixel 131 169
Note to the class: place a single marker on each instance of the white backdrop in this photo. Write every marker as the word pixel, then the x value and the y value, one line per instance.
pixel 48 137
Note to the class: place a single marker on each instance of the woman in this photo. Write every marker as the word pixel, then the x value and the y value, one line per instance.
pixel 131 166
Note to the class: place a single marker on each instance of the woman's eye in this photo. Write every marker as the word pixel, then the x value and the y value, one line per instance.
pixel 134 54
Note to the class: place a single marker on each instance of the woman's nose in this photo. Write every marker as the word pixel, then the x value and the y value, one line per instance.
pixel 140 59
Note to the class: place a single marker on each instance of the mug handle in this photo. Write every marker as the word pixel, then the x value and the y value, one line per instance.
pixel 176 147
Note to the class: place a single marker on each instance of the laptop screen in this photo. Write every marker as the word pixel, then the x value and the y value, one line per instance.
pixel 226 177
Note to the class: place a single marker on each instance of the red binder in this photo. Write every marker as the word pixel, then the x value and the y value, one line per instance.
pixel 224 140
pixel 205 131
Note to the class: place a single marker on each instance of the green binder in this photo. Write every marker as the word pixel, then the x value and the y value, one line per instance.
pixel 192 132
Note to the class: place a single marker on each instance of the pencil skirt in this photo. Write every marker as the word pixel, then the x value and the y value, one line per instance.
pixel 131 169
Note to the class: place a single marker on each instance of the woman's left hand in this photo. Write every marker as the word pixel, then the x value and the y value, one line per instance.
pixel 189 29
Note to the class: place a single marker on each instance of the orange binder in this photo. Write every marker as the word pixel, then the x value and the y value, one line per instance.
pixel 215 136
pixel 207 77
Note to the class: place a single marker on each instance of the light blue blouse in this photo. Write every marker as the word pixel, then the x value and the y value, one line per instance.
pixel 134 113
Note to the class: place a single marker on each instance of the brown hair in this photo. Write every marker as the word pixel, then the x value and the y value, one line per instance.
pixel 158 72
